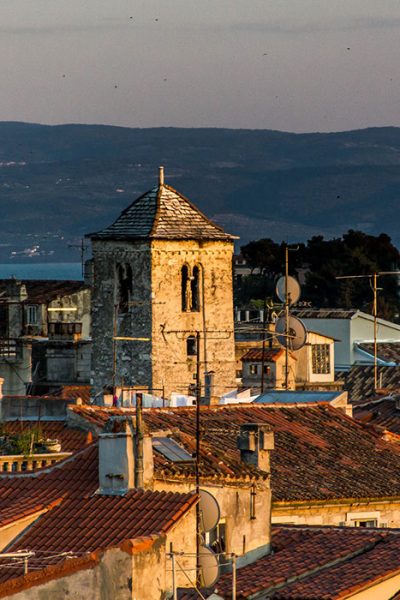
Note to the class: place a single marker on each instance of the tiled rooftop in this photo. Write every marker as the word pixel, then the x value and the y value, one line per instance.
pixel 42 291
pixel 315 564
pixel 320 453
pixel 256 354
pixel 324 313
pixel 25 494
pixel 71 439
pixel 381 412
pixel 85 524
pixel 162 213
pixel 387 351
pixel 359 381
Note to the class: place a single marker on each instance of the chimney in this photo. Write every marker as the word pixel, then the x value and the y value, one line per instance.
pixel 255 442
pixel 117 457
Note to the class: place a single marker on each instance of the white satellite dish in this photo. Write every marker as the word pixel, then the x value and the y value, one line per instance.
pixel 293 289
pixel 209 566
pixel 209 511
pixel 297 333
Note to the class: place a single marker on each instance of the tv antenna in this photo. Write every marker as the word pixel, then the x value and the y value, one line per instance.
pixel 292 333
pixel 373 277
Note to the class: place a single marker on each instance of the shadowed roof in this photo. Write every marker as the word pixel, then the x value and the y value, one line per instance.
pixel 162 213
pixel 315 563
pixel 320 453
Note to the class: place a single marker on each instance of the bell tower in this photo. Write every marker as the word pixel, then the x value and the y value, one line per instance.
pixel 161 273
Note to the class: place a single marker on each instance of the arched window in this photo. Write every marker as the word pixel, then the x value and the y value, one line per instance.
pixel 195 289
pixel 191 346
pixel 185 288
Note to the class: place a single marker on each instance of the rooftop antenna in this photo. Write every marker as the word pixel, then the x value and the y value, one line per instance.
pixel 293 332
pixel 373 277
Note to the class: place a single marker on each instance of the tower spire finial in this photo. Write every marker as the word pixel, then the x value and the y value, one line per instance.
pixel 161 176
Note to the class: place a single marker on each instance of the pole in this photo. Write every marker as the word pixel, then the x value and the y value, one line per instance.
pixel 198 400
pixel 286 318
pixel 114 347
pixel 375 335
pixel 263 347
pixel 174 589
pixel 139 441
pixel 233 576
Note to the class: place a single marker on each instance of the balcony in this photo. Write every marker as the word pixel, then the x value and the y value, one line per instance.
pixel 19 463
pixel 65 330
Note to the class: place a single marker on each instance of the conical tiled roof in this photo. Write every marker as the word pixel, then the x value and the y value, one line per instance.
pixel 162 213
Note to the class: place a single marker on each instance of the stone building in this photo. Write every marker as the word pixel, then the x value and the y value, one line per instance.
pixel 44 334
pixel 162 272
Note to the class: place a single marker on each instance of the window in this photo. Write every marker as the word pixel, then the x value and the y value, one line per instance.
pixel 320 357
pixel 253 369
pixel 191 346
pixel 195 289
pixel 216 538
pixel 190 289
pixel 366 523
pixel 32 315
pixel 267 370
pixel 185 288
pixel 124 276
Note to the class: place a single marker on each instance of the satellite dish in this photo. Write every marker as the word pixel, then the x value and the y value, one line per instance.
pixel 297 333
pixel 209 511
pixel 209 566
pixel 293 288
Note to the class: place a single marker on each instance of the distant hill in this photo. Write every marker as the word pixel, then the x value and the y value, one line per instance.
pixel 63 181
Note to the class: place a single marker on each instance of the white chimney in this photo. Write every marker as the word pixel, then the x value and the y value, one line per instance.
pixel 255 442
pixel 117 457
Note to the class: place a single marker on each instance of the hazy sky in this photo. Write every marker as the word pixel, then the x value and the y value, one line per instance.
pixel 294 65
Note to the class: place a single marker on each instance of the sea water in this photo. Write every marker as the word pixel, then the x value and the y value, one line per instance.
pixel 41 270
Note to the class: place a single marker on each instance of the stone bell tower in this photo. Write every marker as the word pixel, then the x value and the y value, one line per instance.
pixel 162 272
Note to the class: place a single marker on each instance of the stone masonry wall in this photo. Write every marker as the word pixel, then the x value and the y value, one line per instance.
pixel 133 364
pixel 172 368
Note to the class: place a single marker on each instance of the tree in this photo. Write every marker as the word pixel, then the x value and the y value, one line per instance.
pixel 355 253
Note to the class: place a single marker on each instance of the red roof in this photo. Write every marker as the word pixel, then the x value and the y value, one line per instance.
pixel 42 291
pixel 310 563
pixel 320 453
pixel 71 439
pixel 83 525
pixel 256 354
pixel 24 494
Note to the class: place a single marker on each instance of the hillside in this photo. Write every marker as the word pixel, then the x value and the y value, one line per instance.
pixel 59 182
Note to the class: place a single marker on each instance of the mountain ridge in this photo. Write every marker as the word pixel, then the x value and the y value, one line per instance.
pixel 64 180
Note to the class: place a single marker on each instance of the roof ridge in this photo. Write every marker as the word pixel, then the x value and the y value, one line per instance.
pixel 158 206
pixel 182 197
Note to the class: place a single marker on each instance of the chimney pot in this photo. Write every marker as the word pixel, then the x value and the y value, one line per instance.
pixel 161 176
pixel 255 442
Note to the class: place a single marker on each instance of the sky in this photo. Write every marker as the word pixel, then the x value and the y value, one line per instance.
pixel 292 65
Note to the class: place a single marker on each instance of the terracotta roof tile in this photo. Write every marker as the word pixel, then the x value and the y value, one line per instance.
pixel 270 354
pixel 312 563
pixel 320 453
pixel 71 439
